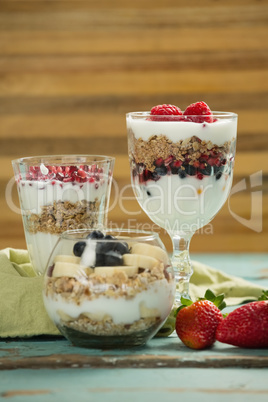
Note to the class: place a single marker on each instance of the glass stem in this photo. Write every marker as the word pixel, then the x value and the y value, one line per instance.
pixel 181 265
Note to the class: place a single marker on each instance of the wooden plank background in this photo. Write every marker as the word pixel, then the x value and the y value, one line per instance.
pixel 70 70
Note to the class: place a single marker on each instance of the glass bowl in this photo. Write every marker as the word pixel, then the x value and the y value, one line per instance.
pixel 109 289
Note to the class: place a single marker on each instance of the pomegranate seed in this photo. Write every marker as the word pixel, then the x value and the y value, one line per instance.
pixel 53 182
pixel 59 169
pixel 200 176
pixel 177 164
pixel 158 162
pixel 168 160
pixel 218 162
pixel 196 164
pixel 72 169
pixel 212 161
pixel 204 157
pixel 91 180
pixel 59 176
pixel 67 179
pixel 81 173
pixel 96 186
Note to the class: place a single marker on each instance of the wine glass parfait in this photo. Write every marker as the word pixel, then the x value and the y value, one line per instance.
pixel 181 170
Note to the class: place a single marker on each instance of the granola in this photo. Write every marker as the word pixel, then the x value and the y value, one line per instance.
pixel 188 150
pixel 62 215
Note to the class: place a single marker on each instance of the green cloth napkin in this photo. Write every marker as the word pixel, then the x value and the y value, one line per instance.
pixel 22 313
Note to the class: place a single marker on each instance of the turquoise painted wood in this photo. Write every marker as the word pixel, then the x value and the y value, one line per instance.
pixel 44 369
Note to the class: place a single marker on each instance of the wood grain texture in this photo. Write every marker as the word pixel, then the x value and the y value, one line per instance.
pixel 70 70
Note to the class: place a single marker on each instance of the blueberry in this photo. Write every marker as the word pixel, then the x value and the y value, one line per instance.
pixel 190 170
pixel 218 175
pixel 96 234
pixel 113 258
pixel 109 252
pixel 100 260
pixel 109 237
pixel 122 248
pixel 206 171
pixel 155 176
pixel 182 173
pixel 161 171
pixel 79 248
pixel 104 247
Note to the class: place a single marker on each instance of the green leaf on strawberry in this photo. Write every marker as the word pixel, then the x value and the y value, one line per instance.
pixel 264 296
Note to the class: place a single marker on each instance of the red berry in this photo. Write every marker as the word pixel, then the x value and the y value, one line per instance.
pixel 158 162
pixel 167 111
pixel 196 324
pixel 82 173
pixel 246 326
pixel 200 176
pixel 202 112
pixel 177 164
pixel 168 160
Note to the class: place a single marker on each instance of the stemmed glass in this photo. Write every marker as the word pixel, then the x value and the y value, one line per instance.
pixel 181 172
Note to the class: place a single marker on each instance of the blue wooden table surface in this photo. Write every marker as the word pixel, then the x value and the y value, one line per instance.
pixel 51 369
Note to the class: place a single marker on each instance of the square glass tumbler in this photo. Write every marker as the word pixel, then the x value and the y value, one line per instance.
pixel 58 193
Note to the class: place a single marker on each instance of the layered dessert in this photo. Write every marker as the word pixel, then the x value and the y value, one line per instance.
pixel 181 163
pixel 109 292
pixel 57 198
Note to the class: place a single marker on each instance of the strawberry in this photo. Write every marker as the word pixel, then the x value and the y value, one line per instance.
pixel 165 110
pixel 246 326
pixel 202 112
pixel 196 323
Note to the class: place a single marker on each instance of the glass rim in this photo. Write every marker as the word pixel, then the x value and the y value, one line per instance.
pixel 215 113
pixel 59 158
pixel 140 234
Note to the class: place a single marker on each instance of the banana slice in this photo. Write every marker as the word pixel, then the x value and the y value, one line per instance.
pixel 100 316
pixel 140 261
pixel 68 269
pixel 64 316
pixel 110 271
pixel 150 250
pixel 67 258
pixel 146 312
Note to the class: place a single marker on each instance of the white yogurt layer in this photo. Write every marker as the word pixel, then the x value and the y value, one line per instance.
pixel 36 194
pixel 40 246
pixel 182 204
pixel 159 295
pixel 218 132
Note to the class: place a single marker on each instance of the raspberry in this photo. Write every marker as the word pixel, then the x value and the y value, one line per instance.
pixel 202 112
pixel 165 110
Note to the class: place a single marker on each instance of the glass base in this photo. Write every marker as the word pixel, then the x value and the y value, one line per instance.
pixel 86 340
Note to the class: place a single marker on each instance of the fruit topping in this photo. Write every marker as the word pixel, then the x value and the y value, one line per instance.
pixel 246 326
pixel 150 250
pixel 199 112
pixel 196 323
pixel 164 112
pixel 100 250
pixel 140 261
pixel 79 248
pixel 72 270
pixel 65 174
